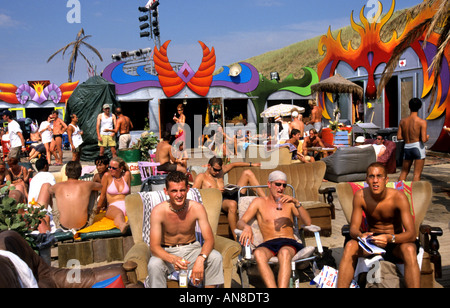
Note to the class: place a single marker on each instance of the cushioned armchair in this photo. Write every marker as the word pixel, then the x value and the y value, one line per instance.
pixel 419 194
pixel 270 159
pixel 140 252
pixel 349 164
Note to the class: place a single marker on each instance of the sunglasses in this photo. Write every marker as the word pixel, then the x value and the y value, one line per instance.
pixel 217 170
pixel 112 168
pixel 280 184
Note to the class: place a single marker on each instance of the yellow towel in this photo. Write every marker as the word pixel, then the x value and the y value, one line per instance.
pixel 101 223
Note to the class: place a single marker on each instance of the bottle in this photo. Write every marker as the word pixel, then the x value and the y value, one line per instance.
pixel 294 281
pixel 279 204
pixel 183 277
pixel 248 251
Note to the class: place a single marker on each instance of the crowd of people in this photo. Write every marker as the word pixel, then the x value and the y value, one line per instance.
pixel 173 244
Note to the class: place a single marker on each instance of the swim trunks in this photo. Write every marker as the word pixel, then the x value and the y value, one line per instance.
pixel 57 136
pixel 276 244
pixel 389 255
pixel 414 151
pixel 167 167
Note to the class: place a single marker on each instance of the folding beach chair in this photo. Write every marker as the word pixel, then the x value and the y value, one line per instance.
pixel 307 255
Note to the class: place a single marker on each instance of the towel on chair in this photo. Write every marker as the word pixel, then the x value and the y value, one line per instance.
pixel 153 198
pixel 26 276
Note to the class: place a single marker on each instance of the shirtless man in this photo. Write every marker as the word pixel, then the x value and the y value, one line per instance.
pixel 297 123
pixel 59 127
pixel 390 226
pixel 124 125
pixel 313 141
pixel 172 238
pixel 413 130
pixel 293 144
pixel 316 116
pixel 105 130
pixel 277 230
pixel 74 206
pixel 213 178
pixel 164 156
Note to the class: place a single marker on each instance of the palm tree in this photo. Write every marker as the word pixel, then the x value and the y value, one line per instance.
pixel 76 50
pixel 439 23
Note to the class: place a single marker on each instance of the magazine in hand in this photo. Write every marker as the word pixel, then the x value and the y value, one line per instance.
pixel 231 187
pixel 369 247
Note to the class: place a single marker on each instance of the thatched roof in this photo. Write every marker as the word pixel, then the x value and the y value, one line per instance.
pixel 338 84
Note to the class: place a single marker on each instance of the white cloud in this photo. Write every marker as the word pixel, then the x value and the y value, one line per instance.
pixel 267 3
pixel 7 21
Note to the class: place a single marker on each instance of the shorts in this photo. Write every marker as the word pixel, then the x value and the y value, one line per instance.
pixel 167 167
pixel 414 151
pixel 389 255
pixel 124 141
pixel 276 244
pixel 57 136
pixel 107 141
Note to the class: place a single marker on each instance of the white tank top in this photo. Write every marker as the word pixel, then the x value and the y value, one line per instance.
pixel 76 136
pixel 106 123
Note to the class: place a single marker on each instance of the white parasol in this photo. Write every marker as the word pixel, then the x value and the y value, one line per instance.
pixel 282 110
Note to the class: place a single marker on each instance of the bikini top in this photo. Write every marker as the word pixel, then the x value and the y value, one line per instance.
pixel 112 188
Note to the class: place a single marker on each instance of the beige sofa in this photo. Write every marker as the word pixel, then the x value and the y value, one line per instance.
pixel 270 159
pixel 421 199
pixel 140 252
pixel 306 180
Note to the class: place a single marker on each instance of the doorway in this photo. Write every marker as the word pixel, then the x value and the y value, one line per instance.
pixel 391 103
pixel 194 108
pixel 137 111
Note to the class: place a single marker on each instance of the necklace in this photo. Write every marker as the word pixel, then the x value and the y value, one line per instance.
pixel 179 210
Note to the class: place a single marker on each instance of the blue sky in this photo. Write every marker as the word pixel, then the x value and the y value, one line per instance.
pixel 31 30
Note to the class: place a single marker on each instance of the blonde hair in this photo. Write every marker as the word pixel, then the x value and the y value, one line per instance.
pixel 121 163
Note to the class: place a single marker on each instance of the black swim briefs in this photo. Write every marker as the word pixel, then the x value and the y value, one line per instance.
pixel 276 244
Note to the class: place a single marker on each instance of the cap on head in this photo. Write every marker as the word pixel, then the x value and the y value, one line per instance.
pixel 277 176
pixel 105 106
pixel 360 139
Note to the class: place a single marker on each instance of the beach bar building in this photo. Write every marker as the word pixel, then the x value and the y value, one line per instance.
pixel 364 66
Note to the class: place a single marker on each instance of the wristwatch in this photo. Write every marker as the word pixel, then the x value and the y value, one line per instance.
pixel 393 238
pixel 298 205
pixel 203 256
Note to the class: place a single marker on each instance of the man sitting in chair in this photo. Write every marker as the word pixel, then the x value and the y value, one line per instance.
pixel 390 225
pixel 277 228
pixel 172 238
pixel 213 177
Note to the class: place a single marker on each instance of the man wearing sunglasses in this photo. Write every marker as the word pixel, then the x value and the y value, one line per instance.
pixel 379 146
pixel 390 226
pixel 277 228
pixel 213 178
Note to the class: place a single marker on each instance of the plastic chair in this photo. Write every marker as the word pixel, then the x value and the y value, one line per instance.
pixel 147 170
pixel 307 254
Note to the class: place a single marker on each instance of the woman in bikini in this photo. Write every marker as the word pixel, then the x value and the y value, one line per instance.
pixel 116 184
pixel 19 176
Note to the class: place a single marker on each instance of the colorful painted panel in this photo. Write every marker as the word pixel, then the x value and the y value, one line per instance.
pixel 38 92
pixel 173 82
pixel 373 52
